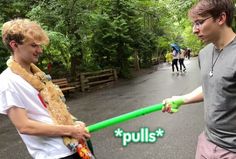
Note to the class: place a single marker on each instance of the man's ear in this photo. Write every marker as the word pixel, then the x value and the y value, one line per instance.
pixel 13 44
pixel 222 18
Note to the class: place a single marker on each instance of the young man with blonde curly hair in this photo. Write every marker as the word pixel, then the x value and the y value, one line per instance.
pixel 32 102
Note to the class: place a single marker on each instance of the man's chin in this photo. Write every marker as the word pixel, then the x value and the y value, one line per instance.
pixel 205 41
pixel 35 61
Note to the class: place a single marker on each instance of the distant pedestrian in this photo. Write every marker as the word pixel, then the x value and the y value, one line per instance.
pixel 169 57
pixel 188 53
pixel 175 54
pixel 181 60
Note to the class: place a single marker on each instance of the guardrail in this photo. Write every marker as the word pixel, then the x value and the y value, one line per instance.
pixel 90 80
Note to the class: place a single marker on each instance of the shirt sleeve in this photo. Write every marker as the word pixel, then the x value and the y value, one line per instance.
pixel 9 99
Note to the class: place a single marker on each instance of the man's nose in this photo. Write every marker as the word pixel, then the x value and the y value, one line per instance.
pixel 195 30
pixel 39 49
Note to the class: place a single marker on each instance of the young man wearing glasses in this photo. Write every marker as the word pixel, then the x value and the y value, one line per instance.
pixel 212 21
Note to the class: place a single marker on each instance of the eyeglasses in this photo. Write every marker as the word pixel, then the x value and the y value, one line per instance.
pixel 198 23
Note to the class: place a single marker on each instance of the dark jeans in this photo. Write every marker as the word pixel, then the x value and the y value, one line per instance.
pixel 181 63
pixel 74 156
pixel 175 64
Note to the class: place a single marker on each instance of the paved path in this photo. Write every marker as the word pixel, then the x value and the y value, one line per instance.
pixel 181 129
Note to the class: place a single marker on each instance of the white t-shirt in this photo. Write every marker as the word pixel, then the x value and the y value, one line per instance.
pixel 15 91
pixel 175 54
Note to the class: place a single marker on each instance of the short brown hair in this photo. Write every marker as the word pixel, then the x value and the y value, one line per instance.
pixel 23 30
pixel 214 8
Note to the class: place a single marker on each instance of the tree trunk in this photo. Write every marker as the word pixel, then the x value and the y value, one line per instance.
pixel 136 61
pixel 74 71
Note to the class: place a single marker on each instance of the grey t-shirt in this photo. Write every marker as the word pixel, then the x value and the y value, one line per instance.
pixel 220 94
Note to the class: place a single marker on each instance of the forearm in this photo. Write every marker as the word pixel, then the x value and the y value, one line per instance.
pixel 41 129
pixel 28 126
pixel 194 97
pixel 172 104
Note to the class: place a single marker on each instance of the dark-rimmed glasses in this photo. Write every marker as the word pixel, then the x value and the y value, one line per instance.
pixel 198 23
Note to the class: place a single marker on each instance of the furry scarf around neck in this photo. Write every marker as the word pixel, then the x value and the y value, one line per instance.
pixel 53 100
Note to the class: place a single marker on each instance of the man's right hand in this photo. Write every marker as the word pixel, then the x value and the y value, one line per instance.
pixel 172 105
pixel 80 132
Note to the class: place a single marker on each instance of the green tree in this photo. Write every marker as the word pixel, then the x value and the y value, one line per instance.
pixel 112 37
pixel 10 10
pixel 70 18
pixel 97 34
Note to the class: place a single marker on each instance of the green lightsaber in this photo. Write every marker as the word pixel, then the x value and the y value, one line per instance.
pixel 134 114
pixel 124 117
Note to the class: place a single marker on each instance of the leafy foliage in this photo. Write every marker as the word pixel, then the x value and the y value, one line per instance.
pixel 112 38
pixel 88 35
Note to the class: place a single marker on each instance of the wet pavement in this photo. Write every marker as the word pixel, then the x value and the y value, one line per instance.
pixel 181 129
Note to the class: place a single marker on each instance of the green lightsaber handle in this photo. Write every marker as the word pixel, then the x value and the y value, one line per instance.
pixel 124 117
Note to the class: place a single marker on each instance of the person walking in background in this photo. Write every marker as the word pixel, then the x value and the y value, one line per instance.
pixel 169 57
pixel 175 54
pixel 212 23
pixel 188 53
pixel 181 60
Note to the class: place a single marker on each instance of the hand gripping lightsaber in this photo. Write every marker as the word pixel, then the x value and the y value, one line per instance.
pixel 134 114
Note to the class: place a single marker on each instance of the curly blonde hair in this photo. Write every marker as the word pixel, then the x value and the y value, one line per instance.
pixel 23 30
